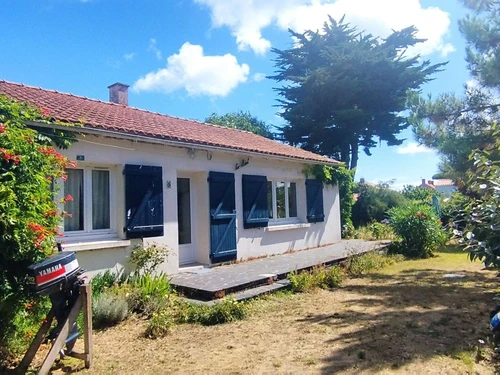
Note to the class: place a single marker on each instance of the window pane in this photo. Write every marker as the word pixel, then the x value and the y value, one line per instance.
pixel 74 186
pixel 184 210
pixel 100 200
pixel 280 200
pixel 292 199
pixel 270 198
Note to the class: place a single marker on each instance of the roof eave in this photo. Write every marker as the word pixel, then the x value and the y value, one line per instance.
pixel 175 143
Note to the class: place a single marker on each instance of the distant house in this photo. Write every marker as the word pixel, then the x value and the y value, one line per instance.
pixel 208 193
pixel 427 185
pixel 443 186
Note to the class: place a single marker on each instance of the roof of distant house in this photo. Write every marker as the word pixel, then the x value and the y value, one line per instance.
pixel 444 182
pixel 119 118
pixel 429 184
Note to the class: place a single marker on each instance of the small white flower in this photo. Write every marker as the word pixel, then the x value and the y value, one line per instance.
pixel 469 235
pixel 483 186
pixel 481 342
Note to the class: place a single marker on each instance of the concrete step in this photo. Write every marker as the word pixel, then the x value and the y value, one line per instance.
pixel 249 293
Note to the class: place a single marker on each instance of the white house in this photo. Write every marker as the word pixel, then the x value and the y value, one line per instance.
pixel 208 193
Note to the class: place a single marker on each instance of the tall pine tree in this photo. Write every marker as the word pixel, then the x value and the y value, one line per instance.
pixel 453 124
pixel 344 90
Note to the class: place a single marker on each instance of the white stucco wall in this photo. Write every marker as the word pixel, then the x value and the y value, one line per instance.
pixel 106 152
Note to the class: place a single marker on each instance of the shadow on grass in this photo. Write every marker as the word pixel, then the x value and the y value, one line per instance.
pixel 451 249
pixel 417 314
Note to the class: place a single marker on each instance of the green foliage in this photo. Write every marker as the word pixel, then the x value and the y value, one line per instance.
pixel 301 282
pixel 453 210
pixel 482 214
pixel 361 264
pixel 149 292
pixel 419 228
pixel 160 324
pixel 374 231
pixel 27 322
pixel 106 280
pixel 29 216
pixel 242 121
pixel 344 179
pixel 318 277
pixel 342 62
pixel 480 30
pixel 417 193
pixel 373 203
pixel 225 311
pixel 453 125
pixel 109 309
pixel 147 259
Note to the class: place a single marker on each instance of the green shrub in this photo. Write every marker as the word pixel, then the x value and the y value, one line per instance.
pixel 374 231
pixel 105 280
pixel 108 310
pixel 481 235
pixel 335 277
pixel 225 311
pixel 419 194
pixel 147 259
pixel 27 323
pixel 318 277
pixel 160 324
pixel 373 203
pixel 419 228
pixel 29 214
pixel 149 293
pixel 301 281
pixel 362 264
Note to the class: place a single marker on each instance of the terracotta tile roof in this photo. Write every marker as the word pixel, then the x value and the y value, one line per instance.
pixel 97 114
pixel 444 182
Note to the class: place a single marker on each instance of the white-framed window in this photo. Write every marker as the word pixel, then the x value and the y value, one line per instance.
pixel 282 201
pixel 92 206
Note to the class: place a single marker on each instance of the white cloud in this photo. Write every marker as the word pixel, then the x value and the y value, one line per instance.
pixel 153 48
pixel 412 148
pixel 248 18
pixel 196 73
pixel 257 77
pixel 129 56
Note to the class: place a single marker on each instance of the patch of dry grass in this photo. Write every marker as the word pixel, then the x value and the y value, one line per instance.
pixel 405 318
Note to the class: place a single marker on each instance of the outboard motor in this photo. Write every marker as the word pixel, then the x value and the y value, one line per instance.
pixel 58 276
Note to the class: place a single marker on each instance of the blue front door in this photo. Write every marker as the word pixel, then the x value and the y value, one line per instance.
pixel 222 217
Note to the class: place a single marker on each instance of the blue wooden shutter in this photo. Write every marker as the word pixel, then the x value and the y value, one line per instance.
pixel 222 216
pixel 255 206
pixel 314 197
pixel 143 201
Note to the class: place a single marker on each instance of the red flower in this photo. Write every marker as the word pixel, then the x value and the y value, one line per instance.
pixel 72 164
pixel 2 128
pixel 68 198
pixel 64 177
pixel 46 112
pixel 50 213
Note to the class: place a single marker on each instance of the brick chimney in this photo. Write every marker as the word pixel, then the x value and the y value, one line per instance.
pixel 118 93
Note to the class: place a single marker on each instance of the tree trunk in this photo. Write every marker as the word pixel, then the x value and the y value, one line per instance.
pixel 345 154
pixel 354 154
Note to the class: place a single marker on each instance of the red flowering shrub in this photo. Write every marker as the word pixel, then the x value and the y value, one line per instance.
pixel 29 216
pixel 419 228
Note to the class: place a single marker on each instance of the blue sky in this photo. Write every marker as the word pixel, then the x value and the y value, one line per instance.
pixel 189 58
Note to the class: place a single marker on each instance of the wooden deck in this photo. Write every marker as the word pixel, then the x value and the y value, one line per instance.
pixel 216 282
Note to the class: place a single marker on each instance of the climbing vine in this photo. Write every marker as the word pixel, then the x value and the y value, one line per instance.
pixel 344 179
pixel 29 215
